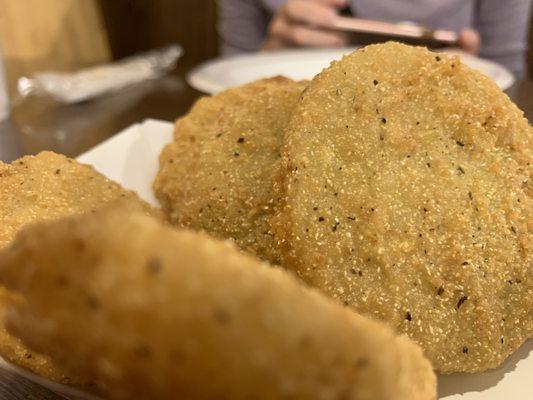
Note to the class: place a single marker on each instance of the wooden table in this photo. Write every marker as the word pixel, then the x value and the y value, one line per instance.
pixel 39 125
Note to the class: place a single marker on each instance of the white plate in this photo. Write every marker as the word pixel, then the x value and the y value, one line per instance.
pixel 131 158
pixel 222 73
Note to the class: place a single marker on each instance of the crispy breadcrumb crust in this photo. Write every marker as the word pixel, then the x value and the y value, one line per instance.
pixel 44 187
pixel 218 174
pixel 408 179
pixel 148 312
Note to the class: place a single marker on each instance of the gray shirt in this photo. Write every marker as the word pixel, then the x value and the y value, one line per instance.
pixel 502 24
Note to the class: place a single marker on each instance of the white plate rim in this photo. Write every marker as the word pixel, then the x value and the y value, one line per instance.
pixel 197 79
pixel 200 76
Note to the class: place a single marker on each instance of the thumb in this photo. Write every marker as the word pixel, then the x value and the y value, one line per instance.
pixel 469 41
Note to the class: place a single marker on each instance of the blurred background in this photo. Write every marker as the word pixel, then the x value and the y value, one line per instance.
pixel 69 35
pixel 66 35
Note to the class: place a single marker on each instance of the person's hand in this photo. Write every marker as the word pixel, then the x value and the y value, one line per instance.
pixel 305 23
pixel 469 41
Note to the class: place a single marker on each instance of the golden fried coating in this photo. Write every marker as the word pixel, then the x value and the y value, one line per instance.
pixel 43 187
pixel 50 185
pixel 14 351
pixel 217 175
pixel 149 312
pixel 409 199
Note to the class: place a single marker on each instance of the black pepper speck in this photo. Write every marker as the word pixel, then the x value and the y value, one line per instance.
pixel 221 316
pixel 461 301
pixel 143 351
pixel 93 302
pixel 153 266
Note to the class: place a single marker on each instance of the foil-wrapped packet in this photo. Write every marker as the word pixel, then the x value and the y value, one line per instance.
pixel 92 82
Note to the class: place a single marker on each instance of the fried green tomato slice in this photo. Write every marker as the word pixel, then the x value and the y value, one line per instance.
pixel 50 185
pixel 408 179
pixel 149 312
pixel 217 175
pixel 44 187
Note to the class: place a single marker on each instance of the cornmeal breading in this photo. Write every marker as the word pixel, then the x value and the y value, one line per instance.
pixel 44 187
pixel 149 312
pixel 217 175
pixel 409 199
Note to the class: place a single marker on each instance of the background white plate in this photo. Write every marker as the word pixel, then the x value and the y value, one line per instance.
pixel 221 73
pixel 132 159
